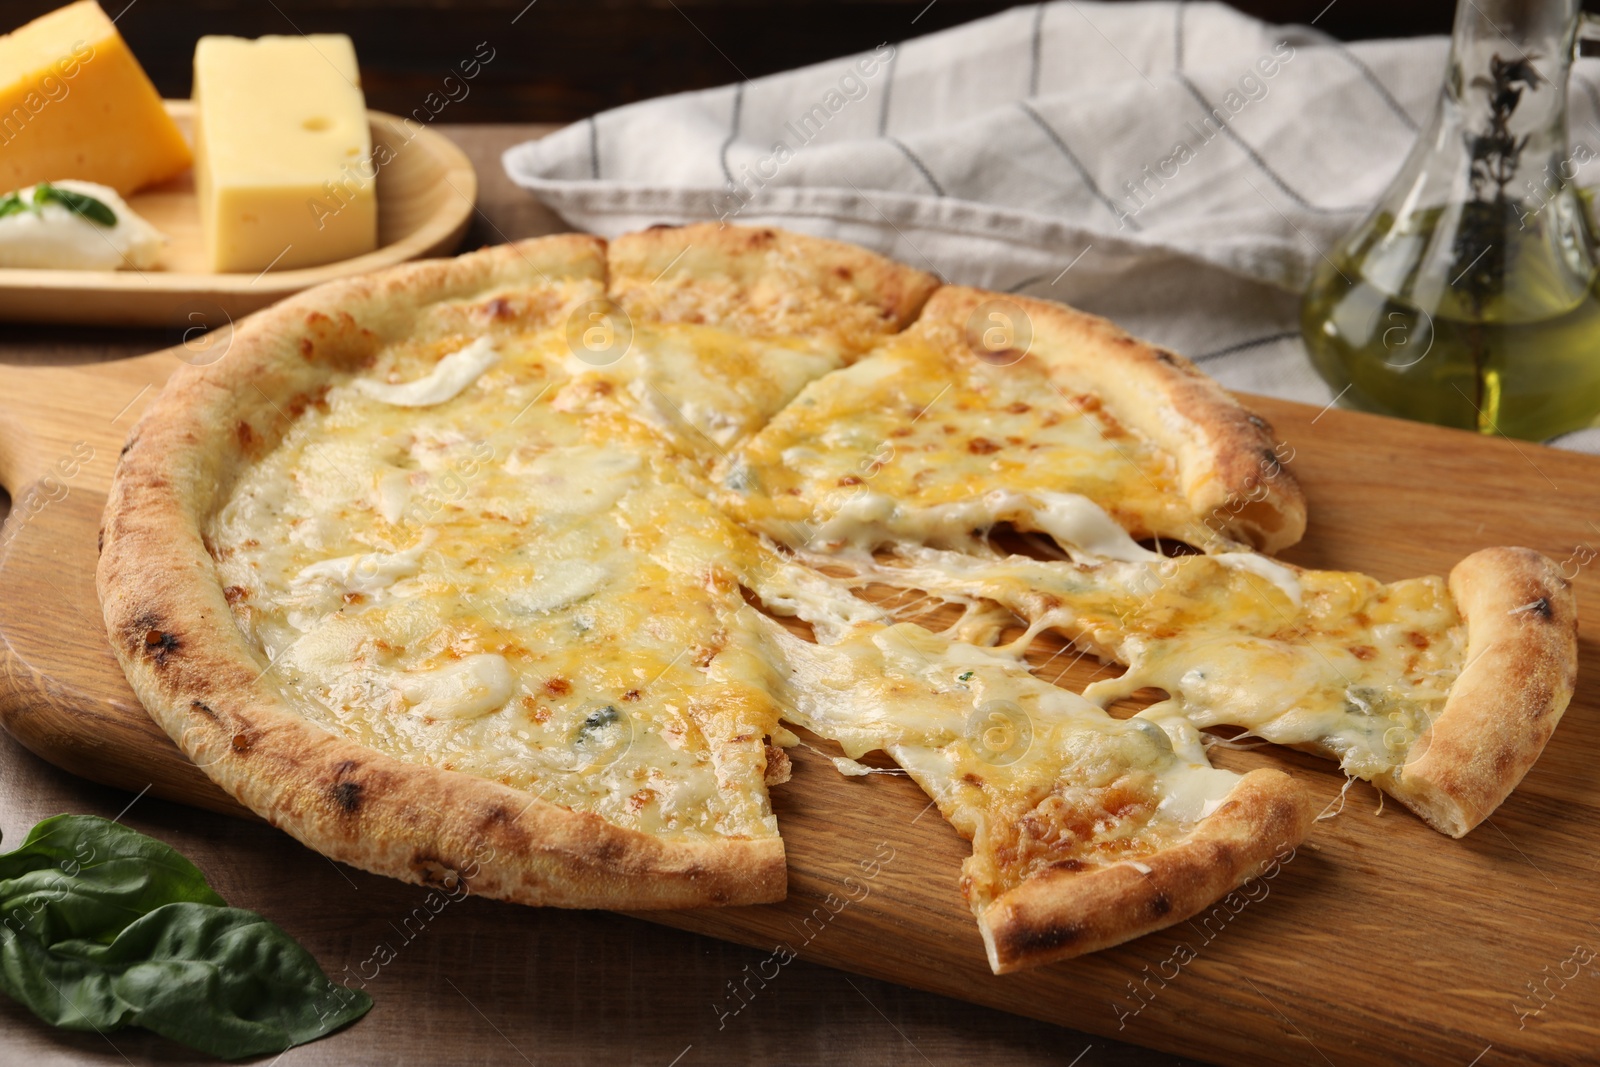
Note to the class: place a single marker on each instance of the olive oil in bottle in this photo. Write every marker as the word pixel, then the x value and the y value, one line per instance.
pixel 1471 296
pixel 1522 361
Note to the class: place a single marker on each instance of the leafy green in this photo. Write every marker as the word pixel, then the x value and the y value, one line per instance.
pixel 12 204
pixel 86 207
pixel 102 927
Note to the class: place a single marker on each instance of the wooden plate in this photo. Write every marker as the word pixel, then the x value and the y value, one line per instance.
pixel 426 196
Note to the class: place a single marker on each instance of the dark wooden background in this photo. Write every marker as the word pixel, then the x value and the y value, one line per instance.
pixel 565 59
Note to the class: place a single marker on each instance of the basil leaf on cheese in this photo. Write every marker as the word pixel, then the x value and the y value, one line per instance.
pixel 85 207
pixel 102 927
pixel 12 204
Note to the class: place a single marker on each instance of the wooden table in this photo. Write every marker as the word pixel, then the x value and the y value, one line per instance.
pixel 592 987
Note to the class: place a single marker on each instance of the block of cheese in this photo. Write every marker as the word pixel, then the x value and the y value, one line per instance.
pixel 283 151
pixel 75 104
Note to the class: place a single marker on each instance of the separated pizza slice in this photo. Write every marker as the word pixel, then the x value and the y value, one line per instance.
pixel 1086 830
pixel 1443 695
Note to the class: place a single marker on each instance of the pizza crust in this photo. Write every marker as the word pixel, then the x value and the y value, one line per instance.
pixel 1228 459
pixel 1521 665
pixel 1061 913
pixel 764 282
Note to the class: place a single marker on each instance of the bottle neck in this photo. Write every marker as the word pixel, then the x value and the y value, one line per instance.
pixel 1509 61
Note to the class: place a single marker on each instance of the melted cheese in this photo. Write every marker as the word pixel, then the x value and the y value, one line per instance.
pixel 924 426
pixel 568 612
pixel 506 587
pixel 444 382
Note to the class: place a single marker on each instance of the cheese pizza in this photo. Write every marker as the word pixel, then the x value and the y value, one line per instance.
pixel 532 554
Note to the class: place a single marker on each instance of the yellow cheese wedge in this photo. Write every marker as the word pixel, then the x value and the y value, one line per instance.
pixel 74 103
pixel 283 152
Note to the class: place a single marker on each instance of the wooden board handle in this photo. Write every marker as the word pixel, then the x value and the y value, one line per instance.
pixel 68 423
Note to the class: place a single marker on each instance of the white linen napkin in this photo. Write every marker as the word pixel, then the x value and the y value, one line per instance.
pixel 1180 168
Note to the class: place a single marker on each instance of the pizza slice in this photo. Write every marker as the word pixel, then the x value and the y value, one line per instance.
pixel 1086 830
pixel 1442 695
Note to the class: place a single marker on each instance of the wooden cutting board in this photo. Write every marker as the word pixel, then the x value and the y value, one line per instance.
pixel 1380 942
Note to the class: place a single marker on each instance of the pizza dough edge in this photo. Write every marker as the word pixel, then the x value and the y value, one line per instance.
pixel 1520 671
pixel 1061 914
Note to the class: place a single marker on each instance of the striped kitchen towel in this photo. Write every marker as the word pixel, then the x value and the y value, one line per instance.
pixel 1180 168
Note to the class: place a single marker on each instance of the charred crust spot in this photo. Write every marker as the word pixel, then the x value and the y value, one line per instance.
pixel 849 479
pixel 307 349
pixel 844 272
pixel 559 686
pixel 1258 422
pixel 1169 358
pixel 100 541
pixel 247 436
pixel 1069 865
pixel 1160 905
pixel 1042 939
pixel 1270 462
pixel 347 795
pixel 157 643
pixel 499 309
pixel 235 593
pixel 241 744
pixel 125 448
pixel 1019 408
pixel 631 695
pixel 972 779
pixel 1541 608
pixel 203 708
pixel 1363 652
pixel 982 446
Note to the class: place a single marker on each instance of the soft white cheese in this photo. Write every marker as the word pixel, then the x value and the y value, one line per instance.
pixel 50 237
pixel 446 381
pixel 467 689
pixel 367 573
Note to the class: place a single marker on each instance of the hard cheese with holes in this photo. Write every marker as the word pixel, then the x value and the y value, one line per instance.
pixel 284 154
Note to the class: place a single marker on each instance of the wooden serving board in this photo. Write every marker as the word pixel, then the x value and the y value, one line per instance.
pixel 1380 942
pixel 427 191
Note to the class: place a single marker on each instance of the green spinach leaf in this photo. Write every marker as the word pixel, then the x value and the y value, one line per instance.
pixel 11 204
pixel 102 927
